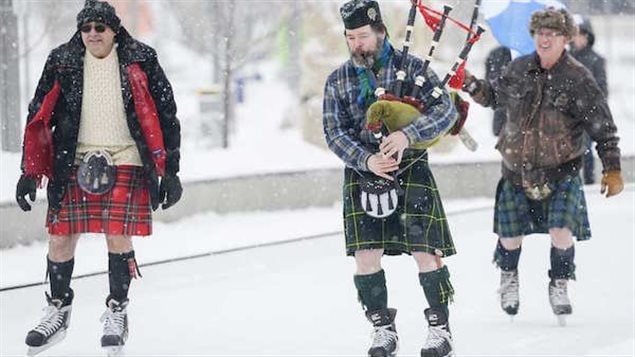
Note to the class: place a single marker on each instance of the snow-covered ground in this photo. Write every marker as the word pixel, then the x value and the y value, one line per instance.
pixel 260 145
pixel 298 299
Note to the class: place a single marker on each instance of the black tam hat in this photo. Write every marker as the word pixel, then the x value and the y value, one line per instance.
pixel 358 13
pixel 99 11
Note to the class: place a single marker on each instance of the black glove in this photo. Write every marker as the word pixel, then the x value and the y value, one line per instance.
pixel 471 84
pixel 170 191
pixel 26 186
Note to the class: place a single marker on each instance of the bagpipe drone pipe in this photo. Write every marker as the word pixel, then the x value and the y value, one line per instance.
pixel 394 109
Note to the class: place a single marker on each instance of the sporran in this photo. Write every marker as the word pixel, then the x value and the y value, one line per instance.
pixel 538 192
pixel 96 172
pixel 536 185
pixel 378 196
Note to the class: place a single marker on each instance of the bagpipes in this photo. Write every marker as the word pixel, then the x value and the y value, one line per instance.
pixel 393 109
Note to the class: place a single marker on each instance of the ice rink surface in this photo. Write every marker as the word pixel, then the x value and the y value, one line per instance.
pixel 298 299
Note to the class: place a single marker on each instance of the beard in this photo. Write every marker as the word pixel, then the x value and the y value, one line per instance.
pixel 367 58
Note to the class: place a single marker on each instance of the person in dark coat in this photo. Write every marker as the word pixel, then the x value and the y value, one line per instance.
pixel 378 223
pixel 582 50
pixel 102 128
pixel 551 102
pixel 495 64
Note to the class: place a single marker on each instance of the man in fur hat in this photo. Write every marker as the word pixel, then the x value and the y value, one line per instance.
pixel 412 222
pixel 102 128
pixel 551 101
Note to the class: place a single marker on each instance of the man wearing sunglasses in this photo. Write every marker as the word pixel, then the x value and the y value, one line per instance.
pixel 102 128
pixel 551 101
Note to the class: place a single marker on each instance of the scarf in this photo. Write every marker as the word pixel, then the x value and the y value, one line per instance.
pixel 367 82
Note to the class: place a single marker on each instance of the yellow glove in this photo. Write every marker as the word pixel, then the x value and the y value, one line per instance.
pixel 612 183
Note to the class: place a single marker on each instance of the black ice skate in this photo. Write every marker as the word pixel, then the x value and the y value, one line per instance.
pixel 559 300
pixel 439 341
pixel 52 327
pixel 508 291
pixel 115 320
pixel 385 341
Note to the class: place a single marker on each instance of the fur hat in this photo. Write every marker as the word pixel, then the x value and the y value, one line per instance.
pixel 358 13
pixel 554 19
pixel 99 11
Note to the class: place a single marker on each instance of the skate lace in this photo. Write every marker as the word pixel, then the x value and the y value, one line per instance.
pixel 437 336
pixel 114 322
pixel 509 287
pixel 558 294
pixel 51 322
pixel 383 336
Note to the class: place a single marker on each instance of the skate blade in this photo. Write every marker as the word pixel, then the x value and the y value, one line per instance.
pixel 32 351
pixel 112 351
pixel 562 320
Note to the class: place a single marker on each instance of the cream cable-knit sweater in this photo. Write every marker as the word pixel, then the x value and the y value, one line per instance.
pixel 103 122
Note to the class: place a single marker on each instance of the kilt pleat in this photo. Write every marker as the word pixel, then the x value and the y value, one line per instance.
pixel 419 223
pixel 124 210
pixel 516 215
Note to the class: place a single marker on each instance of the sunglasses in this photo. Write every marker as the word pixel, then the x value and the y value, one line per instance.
pixel 99 28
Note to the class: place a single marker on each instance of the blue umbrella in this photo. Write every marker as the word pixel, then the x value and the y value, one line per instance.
pixel 509 21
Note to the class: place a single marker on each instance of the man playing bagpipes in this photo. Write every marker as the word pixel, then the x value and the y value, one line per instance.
pixel 391 202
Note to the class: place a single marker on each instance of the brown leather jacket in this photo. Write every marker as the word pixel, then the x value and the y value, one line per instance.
pixel 547 113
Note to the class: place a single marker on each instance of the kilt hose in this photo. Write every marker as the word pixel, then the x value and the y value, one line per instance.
pixel 516 215
pixel 124 210
pixel 419 223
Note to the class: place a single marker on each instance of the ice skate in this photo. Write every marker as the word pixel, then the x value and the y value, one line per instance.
pixel 439 342
pixel 385 341
pixel 559 300
pixel 508 291
pixel 51 329
pixel 115 320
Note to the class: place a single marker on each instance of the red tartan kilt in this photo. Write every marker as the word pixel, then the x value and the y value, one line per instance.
pixel 124 210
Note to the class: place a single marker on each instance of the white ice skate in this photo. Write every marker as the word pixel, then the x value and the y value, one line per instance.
pixel 51 329
pixel 559 300
pixel 384 338
pixel 509 297
pixel 115 320
pixel 439 341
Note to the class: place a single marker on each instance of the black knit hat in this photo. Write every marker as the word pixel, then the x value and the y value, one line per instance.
pixel 585 28
pixel 99 11
pixel 358 13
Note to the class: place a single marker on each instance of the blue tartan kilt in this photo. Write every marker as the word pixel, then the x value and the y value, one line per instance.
pixel 516 215
pixel 419 223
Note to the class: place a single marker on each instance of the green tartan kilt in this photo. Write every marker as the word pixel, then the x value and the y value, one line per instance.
pixel 516 215
pixel 419 223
